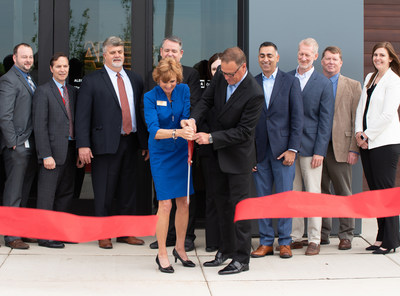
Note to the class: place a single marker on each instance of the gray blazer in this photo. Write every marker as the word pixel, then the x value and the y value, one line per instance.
pixel 50 121
pixel 15 109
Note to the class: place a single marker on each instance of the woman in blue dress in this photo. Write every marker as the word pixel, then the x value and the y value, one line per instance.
pixel 164 107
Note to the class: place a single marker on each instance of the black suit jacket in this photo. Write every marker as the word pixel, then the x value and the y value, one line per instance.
pixel 281 125
pixel 235 121
pixel 98 117
pixel 50 121
pixel 190 77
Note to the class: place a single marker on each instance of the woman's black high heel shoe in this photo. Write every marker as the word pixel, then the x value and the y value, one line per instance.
pixel 372 248
pixel 186 263
pixel 168 269
pixel 383 252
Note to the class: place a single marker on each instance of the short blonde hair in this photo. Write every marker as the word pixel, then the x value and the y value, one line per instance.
pixel 166 69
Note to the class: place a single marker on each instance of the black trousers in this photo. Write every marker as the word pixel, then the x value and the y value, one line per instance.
pixel 114 176
pixel 212 232
pixel 235 238
pixel 380 165
pixel 56 187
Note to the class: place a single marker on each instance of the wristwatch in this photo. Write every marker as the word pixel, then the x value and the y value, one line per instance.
pixel 210 139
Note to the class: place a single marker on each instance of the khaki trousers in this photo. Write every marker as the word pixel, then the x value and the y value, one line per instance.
pixel 312 183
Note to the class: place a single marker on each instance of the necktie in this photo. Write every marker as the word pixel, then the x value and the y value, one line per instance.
pixel 229 91
pixel 126 113
pixel 67 106
pixel 31 83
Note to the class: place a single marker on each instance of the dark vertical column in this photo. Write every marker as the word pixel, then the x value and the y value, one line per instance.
pixel 61 26
pixel 142 63
pixel 46 33
pixel 243 26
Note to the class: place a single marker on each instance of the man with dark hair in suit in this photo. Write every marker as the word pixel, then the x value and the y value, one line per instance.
pixel 53 125
pixel 318 105
pixel 172 47
pixel 342 150
pixel 278 138
pixel 237 100
pixel 109 130
pixel 17 142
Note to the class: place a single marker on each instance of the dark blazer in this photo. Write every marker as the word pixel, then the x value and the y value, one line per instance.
pixel 319 106
pixel 98 117
pixel 281 125
pixel 190 77
pixel 50 121
pixel 235 122
pixel 15 109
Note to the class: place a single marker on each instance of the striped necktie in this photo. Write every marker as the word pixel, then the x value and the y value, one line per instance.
pixel 31 83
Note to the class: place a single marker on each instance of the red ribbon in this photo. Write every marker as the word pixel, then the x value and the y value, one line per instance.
pixel 369 204
pixel 44 224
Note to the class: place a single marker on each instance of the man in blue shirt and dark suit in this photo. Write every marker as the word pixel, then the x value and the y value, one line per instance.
pixel 318 102
pixel 53 125
pixel 278 138
pixel 17 142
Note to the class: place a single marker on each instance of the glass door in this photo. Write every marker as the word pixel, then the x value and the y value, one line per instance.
pixel 90 23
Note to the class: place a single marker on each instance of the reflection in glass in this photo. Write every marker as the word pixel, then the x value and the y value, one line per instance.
pixel 20 24
pixel 91 22
pixel 205 27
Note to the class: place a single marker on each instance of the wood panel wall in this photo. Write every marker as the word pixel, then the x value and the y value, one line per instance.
pixel 381 23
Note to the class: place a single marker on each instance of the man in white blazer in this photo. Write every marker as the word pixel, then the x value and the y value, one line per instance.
pixel 342 150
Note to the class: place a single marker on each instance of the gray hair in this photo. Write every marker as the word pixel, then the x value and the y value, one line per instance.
pixel 172 39
pixel 310 42
pixel 112 41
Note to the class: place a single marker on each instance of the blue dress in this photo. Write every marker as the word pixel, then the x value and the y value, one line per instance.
pixel 168 157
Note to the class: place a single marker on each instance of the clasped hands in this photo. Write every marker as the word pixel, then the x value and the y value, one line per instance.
pixel 189 125
pixel 363 144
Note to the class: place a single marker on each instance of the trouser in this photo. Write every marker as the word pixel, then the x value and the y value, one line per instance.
pixel 311 177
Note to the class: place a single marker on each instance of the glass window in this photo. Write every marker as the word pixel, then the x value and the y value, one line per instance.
pixel 91 22
pixel 205 27
pixel 20 24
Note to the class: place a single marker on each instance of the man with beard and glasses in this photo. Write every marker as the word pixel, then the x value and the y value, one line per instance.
pixel 109 130
pixel 318 102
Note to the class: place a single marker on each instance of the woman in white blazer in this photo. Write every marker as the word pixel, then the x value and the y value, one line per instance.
pixel 377 129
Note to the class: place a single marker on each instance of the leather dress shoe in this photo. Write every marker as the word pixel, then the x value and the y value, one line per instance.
pixel 218 260
pixel 262 251
pixel 17 244
pixel 234 267
pixel 312 249
pixel 154 245
pixel 29 240
pixel 51 244
pixel 211 249
pixel 105 244
pixel 189 245
pixel 296 245
pixel 130 240
pixel 372 248
pixel 285 252
pixel 344 244
pixel 325 241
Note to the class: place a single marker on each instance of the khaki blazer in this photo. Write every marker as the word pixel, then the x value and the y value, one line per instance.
pixel 343 137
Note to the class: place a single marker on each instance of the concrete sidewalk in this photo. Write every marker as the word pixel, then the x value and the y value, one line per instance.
pixel 84 269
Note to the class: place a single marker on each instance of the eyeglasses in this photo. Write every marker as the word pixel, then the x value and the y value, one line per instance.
pixel 230 74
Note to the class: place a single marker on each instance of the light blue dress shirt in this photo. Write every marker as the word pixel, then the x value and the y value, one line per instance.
pixel 268 85
pixel 231 88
